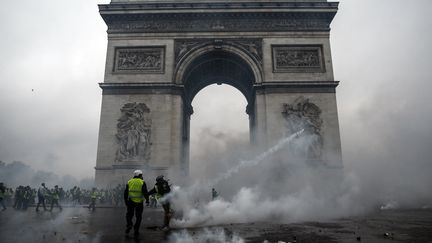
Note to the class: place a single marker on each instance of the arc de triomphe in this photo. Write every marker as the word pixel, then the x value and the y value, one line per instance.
pixel 162 53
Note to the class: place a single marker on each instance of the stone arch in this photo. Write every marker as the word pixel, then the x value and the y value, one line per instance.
pixel 219 52
pixel 185 61
pixel 212 64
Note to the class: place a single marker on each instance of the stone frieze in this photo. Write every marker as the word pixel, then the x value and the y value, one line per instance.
pixel 297 58
pixel 220 22
pixel 139 60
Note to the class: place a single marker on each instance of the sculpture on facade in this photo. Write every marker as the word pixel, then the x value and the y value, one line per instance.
pixel 133 133
pixel 303 114
pixel 139 60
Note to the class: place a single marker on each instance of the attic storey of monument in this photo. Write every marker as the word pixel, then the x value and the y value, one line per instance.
pixel 162 53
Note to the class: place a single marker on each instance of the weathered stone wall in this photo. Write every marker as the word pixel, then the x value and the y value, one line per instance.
pixel 166 132
pixel 297 42
pixel 164 75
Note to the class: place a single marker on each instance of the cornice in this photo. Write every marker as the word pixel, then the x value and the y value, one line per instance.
pixel 265 87
pixel 297 87
pixel 213 6
pixel 150 85
pixel 218 17
pixel 141 88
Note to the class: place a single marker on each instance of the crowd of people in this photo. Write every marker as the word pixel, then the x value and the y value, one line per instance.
pixel 22 197
pixel 133 195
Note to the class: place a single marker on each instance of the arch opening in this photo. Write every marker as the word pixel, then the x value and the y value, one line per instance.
pixel 217 126
pixel 217 67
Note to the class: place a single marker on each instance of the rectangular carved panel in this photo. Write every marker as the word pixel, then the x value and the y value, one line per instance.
pixel 139 59
pixel 298 58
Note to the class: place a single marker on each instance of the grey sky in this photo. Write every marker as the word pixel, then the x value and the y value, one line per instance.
pixel 53 57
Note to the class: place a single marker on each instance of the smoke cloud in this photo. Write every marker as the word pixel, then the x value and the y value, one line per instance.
pixel 18 173
pixel 274 186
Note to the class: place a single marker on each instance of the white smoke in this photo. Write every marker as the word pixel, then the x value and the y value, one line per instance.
pixel 274 186
pixel 258 159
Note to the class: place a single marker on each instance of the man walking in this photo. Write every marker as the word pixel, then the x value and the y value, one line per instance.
pixel 42 192
pixel 2 195
pixel 94 195
pixel 55 197
pixel 134 194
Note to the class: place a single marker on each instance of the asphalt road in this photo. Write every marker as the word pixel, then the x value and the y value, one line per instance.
pixel 108 225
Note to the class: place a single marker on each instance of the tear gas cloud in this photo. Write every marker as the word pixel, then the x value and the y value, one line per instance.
pixel 18 173
pixel 272 185
pixel 276 186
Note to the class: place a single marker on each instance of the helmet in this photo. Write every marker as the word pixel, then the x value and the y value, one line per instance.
pixel 138 172
pixel 160 178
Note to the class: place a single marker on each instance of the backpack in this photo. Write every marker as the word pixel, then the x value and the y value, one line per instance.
pixel 163 187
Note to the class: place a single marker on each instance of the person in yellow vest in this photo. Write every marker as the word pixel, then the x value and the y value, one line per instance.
pixel 93 195
pixel 161 189
pixel 134 195
pixel 55 197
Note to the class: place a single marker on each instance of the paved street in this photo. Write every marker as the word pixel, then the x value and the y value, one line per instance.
pixel 107 225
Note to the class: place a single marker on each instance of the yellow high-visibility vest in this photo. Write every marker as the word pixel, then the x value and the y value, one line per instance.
pixel 135 190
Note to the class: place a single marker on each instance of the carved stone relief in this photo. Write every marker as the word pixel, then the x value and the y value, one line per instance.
pixel 303 114
pixel 253 47
pixel 220 23
pixel 139 60
pixel 133 133
pixel 297 59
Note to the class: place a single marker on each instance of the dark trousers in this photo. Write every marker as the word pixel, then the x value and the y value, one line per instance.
pixel 2 203
pixel 167 213
pixel 137 209
pixel 55 201
pixel 26 203
pixel 92 205
pixel 41 200
pixel 18 203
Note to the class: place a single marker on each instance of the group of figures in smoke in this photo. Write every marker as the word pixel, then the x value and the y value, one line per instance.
pixel 133 133
pixel 23 197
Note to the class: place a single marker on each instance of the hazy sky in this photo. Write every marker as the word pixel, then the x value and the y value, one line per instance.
pixel 53 57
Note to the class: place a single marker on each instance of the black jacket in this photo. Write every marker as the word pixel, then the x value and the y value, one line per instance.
pixel 163 188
